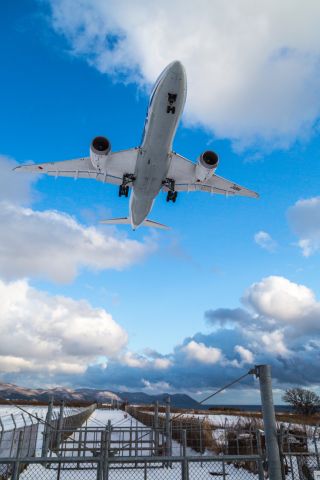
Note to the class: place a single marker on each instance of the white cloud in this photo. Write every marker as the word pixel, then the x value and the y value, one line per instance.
pixel 135 361
pixel 155 387
pixel 54 245
pixel 54 334
pixel 201 353
pixel 245 354
pixel 274 343
pixel 304 218
pixel 253 67
pixel 14 188
pixel 139 361
pixel 278 298
pixel 265 241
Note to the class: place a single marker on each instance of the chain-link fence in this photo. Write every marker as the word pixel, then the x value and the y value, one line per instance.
pixel 102 468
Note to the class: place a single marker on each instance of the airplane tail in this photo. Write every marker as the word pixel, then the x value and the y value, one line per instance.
pixel 126 221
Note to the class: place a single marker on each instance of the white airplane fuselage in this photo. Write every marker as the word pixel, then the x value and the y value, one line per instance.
pixel 165 108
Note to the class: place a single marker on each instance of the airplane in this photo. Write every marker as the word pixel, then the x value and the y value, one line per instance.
pixel 152 166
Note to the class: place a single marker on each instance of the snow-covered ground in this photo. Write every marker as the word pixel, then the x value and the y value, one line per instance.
pixel 99 419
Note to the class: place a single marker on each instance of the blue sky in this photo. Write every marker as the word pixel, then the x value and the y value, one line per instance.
pixel 161 309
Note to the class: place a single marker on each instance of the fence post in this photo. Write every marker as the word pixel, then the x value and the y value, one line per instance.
pixel 2 429
pixel 168 429
pixel 316 445
pixel 60 424
pixel 47 429
pixel 263 372
pixel 259 450
pixel 184 465
pixel 15 474
pixel 156 427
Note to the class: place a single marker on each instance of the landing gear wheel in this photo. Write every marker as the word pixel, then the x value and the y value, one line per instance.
pixel 172 196
pixel 126 191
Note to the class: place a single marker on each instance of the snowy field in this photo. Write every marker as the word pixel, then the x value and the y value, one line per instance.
pixel 119 419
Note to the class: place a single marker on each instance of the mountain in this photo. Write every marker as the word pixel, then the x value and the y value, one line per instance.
pixel 180 400
pixel 13 392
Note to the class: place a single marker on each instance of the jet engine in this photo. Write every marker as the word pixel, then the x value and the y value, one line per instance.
pixel 99 150
pixel 207 163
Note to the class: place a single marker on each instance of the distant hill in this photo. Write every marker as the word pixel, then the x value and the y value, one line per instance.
pixel 13 392
pixel 177 400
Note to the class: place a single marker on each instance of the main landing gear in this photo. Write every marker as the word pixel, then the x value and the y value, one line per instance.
pixel 124 187
pixel 123 190
pixel 172 194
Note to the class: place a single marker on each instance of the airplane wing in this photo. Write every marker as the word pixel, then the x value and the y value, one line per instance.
pixel 118 164
pixel 182 171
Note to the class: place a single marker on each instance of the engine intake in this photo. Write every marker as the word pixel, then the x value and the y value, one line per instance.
pixel 206 165
pixel 99 150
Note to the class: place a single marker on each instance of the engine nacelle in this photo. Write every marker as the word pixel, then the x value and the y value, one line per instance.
pixel 207 163
pixel 99 150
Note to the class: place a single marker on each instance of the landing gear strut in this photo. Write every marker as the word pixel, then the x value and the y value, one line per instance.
pixel 172 194
pixel 124 187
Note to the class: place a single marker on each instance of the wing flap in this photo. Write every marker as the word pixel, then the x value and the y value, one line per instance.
pixel 118 164
pixel 182 171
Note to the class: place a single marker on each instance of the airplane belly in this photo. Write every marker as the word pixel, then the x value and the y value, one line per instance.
pixel 140 206
pixel 152 167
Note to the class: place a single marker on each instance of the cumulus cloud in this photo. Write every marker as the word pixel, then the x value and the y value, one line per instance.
pixel 54 334
pixel 274 343
pixel 15 188
pixel 279 327
pixel 304 219
pixel 31 239
pixel 202 353
pixel 280 299
pixel 245 355
pixel 265 241
pixel 134 360
pixel 253 68
pixel 227 316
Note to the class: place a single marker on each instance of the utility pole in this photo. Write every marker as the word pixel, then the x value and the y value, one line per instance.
pixel 263 373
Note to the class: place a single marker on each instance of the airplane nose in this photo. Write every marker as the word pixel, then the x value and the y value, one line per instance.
pixel 177 68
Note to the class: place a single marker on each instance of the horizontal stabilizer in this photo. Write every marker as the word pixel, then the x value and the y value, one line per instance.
pixel 151 223
pixel 126 221
pixel 117 221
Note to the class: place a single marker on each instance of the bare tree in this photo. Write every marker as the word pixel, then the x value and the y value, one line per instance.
pixel 302 400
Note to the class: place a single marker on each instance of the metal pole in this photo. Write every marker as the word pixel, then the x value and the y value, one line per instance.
pixel 156 428
pixel 263 372
pixel 47 429
pixel 16 472
pixel 168 429
pixel 259 450
pixel 184 465
pixel 60 424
